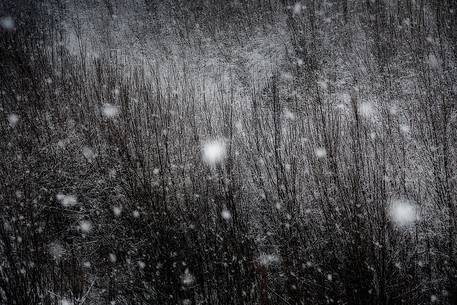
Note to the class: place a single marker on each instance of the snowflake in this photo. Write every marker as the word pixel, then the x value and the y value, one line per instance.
pixel 88 153
pixel 65 302
pixel 405 129
pixel 85 226
pixel 226 214
pixel 268 259
pixel 214 152
pixel 67 200
pixel 187 278
pixel 7 23
pixel 297 8
pixel 56 250
pixel 403 212
pixel 433 61
pixel 13 119
pixel 110 111
pixel 117 211
pixel 289 115
pixel 320 152
pixel 366 109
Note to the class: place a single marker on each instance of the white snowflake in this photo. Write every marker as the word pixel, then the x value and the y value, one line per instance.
pixel 287 76
pixel 226 214
pixel 297 8
pixel 366 109
pixel 67 200
pixel 213 152
pixel 187 278
pixel 289 115
pixel 322 84
pixel 110 110
pixel 320 152
pixel 393 110
pixel 56 250
pixel 433 61
pixel 7 23
pixel 85 226
pixel 65 302
pixel 88 153
pixel 268 259
pixel 117 211
pixel 239 126
pixel 13 119
pixel 405 129
pixel 403 212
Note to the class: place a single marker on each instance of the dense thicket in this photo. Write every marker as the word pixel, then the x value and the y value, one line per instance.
pixel 327 111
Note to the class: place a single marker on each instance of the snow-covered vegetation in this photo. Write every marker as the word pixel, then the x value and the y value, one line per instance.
pixel 228 152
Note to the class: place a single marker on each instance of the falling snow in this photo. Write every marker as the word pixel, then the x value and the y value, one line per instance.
pixel 214 152
pixel 85 226
pixel 366 109
pixel 67 200
pixel 226 214
pixel 268 259
pixel 320 152
pixel 228 152
pixel 7 23
pixel 187 278
pixel 110 111
pixel 403 212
